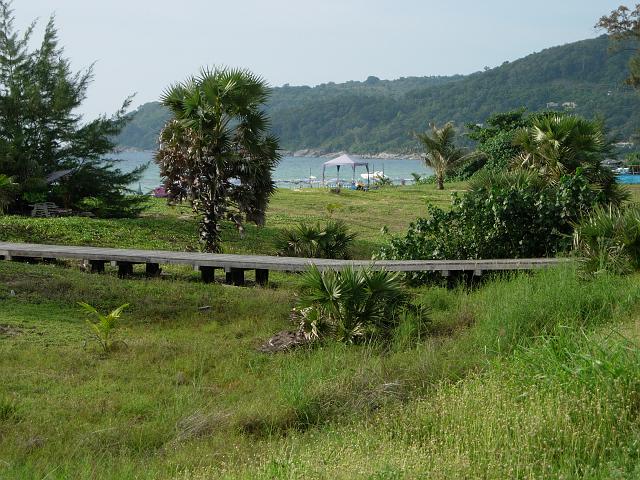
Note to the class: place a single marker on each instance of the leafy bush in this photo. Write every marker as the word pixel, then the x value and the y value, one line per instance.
pixel 103 325
pixel 423 179
pixel 7 192
pixel 350 305
pixel 608 240
pixel 331 240
pixel 504 215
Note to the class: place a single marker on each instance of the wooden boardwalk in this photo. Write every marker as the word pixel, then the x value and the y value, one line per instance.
pixel 235 265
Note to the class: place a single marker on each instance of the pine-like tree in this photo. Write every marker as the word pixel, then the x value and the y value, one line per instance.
pixel 41 132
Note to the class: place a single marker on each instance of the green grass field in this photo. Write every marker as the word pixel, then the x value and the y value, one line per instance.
pixel 175 228
pixel 525 376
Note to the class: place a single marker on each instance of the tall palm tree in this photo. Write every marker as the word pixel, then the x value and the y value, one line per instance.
pixel 441 153
pixel 559 144
pixel 216 151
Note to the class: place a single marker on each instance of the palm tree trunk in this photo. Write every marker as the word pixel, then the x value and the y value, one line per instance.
pixel 440 181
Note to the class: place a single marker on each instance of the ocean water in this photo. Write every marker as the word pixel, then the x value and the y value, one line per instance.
pixel 290 173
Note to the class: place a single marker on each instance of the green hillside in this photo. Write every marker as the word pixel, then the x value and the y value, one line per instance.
pixel 378 115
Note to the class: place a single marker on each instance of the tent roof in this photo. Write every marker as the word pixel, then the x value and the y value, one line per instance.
pixel 55 176
pixel 344 160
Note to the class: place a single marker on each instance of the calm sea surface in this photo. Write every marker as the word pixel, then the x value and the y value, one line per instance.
pixel 289 172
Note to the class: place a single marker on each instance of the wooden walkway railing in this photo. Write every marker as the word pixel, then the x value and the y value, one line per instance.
pixel 235 265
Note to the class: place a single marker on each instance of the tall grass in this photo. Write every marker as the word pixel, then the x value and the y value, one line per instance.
pixel 519 378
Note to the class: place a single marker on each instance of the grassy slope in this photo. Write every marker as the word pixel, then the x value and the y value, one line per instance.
pixel 175 228
pixel 169 228
pixel 191 396
pixel 484 395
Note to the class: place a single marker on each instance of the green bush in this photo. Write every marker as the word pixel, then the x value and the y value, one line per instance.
pixel 608 240
pixel 504 215
pixel 331 240
pixel 350 305
pixel 7 191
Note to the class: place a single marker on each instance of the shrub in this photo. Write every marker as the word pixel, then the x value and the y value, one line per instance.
pixel 608 240
pixel 350 305
pixel 331 240
pixel 425 179
pixel 504 215
pixel 7 192
pixel 103 325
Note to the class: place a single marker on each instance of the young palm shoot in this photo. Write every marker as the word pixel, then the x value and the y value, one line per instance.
pixel 102 326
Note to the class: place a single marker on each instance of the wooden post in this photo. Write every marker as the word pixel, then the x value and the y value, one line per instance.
pixel 208 274
pixel 237 276
pixel 97 266
pixel 23 259
pixel 152 270
pixel 262 276
pixel 125 269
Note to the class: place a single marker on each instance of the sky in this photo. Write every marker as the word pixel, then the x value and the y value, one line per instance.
pixel 143 46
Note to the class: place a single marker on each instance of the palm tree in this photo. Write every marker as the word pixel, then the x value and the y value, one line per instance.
pixel 350 305
pixel 441 153
pixel 216 152
pixel 556 145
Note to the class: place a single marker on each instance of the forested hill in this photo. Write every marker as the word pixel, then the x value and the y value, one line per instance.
pixel 378 115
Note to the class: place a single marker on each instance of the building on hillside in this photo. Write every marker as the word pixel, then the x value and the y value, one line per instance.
pixel 569 105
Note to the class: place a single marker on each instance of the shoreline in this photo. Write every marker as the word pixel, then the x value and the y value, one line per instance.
pixel 313 153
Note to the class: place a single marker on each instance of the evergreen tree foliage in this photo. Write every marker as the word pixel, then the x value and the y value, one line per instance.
pixel 41 132
pixel 623 24
pixel 369 117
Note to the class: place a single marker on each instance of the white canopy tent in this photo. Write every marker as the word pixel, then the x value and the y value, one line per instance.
pixel 345 161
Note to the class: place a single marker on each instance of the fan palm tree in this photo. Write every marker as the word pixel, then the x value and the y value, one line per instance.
pixel 351 304
pixel 441 153
pixel 216 151
pixel 556 145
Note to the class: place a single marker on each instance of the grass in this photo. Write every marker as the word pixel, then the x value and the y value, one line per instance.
pixel 190 397
pixel 175 228
pixel 526 376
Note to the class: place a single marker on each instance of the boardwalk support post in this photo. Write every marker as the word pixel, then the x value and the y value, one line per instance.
pixel 152 270
pixel 208 274
pixel 236 277
pixel 262 276
pixel 97 266
pixel 125 269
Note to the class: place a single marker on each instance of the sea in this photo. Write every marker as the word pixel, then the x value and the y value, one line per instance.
pixel 291 172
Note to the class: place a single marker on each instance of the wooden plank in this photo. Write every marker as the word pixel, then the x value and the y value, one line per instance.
pixel 262 262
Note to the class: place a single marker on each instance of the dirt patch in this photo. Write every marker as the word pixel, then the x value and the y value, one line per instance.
pixel 283 341
pixel 10 330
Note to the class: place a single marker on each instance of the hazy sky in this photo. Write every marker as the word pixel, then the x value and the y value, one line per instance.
pixel 143 45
